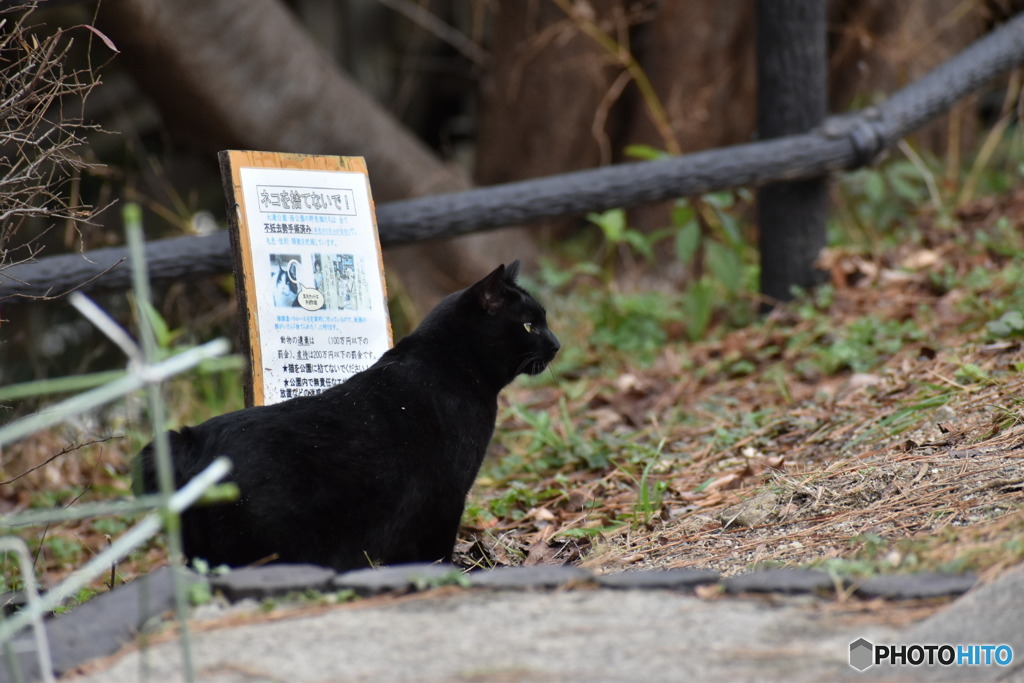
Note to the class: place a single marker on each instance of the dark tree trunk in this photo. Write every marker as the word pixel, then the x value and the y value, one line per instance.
pixel 699 56
pixel 543 106
pixel 245 74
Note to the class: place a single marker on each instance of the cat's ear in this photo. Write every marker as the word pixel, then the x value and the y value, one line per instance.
pixel 491 290
pixel 512 272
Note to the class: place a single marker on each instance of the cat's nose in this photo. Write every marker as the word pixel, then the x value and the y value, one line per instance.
pixel 555 345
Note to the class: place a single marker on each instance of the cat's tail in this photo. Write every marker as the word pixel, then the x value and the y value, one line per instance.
pixel 144 472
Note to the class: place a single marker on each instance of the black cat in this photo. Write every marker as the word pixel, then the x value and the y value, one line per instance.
pixel 375 470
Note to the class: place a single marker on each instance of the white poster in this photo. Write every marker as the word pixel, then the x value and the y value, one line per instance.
pixel 319 292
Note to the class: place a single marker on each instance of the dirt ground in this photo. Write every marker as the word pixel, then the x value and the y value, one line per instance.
pixel 916 462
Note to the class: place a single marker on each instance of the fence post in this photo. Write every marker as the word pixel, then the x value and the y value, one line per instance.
pixel 792 90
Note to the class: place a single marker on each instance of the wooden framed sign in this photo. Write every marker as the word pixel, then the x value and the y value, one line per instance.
pixel 310 279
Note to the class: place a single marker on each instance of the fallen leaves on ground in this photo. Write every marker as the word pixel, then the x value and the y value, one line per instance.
pixel 914 462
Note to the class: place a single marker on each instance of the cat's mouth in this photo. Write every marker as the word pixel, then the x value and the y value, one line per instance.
pixel 536 364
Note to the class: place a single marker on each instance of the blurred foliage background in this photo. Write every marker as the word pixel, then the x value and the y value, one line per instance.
pixel 438 95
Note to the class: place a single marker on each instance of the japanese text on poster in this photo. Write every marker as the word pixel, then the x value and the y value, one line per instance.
pixel 321 312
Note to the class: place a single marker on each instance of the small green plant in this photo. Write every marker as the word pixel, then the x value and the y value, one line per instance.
pixel 215 380
pixel 63 551
pixel 110 526
pixel 199 592
pixel 618 236
pixel 83 595
pixel 307 598
pixel 876 204
pixel 721 265
pixel 930 397
pixel 721 261
pixel 1010 325
pixel 872 545
pixel 590 531
pixel 453 578
pixel 166 338
pixel 513 502
pixel 555 443
pixel 971 373
pixel 1003 239
pixel 649 495
pixel 203 568
pixel 858 346
pixel 634 323
pixel 10 576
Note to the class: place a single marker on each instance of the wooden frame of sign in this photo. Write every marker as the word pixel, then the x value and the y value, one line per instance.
pixel 312 300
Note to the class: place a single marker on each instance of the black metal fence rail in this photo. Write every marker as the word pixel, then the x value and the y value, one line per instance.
pixel 841 143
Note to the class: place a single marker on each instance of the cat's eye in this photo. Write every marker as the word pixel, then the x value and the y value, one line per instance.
pixel 528 327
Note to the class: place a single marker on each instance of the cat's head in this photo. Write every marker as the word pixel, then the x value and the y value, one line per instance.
pixel 511 325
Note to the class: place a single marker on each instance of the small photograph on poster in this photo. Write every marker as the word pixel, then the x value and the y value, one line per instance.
pixel 341 278
pixel 284 274
pixel 294 284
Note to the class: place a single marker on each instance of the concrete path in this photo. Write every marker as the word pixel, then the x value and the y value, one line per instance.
pixel 584 632
pixel 773 626
pixel 598 635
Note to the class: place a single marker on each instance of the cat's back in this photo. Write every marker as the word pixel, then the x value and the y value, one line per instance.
pixel 416 387
pixel 404 397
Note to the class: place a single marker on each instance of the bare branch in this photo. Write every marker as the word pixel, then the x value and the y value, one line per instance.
pixel 38 136
pixel 64 451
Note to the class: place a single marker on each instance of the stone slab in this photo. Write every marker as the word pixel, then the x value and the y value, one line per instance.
pixel 784 581
pixel 399 578
pixel 100 626
pixel 915 586
pixel 272 581
pixel 535 577
pixel 670 579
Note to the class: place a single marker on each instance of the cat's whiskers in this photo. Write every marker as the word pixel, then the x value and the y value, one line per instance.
pixel 525 364
pixel 529 361
pixel 551 369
